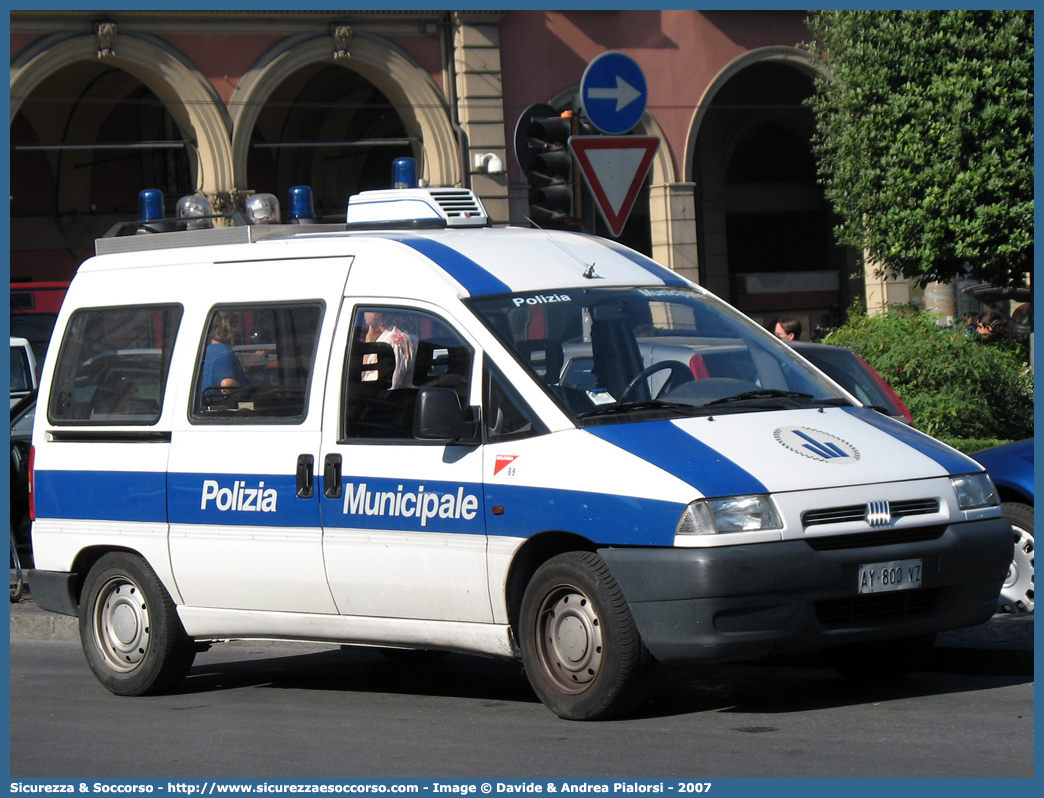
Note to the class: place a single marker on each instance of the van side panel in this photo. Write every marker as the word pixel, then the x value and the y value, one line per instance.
pixel 244 510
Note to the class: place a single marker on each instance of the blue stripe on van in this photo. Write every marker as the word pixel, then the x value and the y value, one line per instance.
pixel 475 279
pixel 106 495
pixel 669 447
pixel 950 459
pixel 603 518
pixel 658 270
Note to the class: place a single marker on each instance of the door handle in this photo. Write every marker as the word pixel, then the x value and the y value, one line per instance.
pixel 304 476
pixel 332 476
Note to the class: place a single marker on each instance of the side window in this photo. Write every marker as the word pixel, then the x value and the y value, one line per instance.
pixel 255 364
pixel 394 352
pixel 113 365
pixel 506 415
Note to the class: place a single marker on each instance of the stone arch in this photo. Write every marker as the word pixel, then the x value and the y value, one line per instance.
pixel 185 92
pixel 763 225
pixel 790 56
pixel 421 105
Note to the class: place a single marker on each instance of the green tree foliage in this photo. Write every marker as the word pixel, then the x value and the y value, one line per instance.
pixel 925 138
pixel 955 385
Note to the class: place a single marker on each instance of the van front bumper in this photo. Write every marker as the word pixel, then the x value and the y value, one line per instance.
pixel 744 602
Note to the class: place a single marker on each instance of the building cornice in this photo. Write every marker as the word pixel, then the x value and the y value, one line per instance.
pixel 398 23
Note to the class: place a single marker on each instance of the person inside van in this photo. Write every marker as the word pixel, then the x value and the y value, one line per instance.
pixel 391 328
pixel 221 368
pixel 787 328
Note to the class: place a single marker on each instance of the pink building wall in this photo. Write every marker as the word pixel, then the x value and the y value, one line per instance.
pixel 680 51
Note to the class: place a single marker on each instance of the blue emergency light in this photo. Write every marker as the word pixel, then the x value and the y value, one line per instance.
pixel 150 204
pixel 300 209
pixel 404 173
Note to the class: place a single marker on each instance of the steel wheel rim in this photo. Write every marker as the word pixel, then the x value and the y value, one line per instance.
pixel 570 639
pixel 121 624
pixel 1017 591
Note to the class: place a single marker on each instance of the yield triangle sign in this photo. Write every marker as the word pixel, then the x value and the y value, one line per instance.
pixel 614 168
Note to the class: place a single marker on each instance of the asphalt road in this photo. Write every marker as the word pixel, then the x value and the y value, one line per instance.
pixel 274 710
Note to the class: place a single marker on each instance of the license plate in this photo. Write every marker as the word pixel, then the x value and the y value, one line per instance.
pixel 880 577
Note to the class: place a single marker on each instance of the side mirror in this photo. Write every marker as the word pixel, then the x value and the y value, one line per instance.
pixel 438 416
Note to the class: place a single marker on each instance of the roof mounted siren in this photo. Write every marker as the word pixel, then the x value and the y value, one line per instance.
pixel 406 205
pixel 194 212
pixel 150 211
pixel 261 209
pixel 404 173
pixel 301 210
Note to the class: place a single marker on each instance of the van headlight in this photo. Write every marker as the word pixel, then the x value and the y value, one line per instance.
pixel 974 490
pixel 734 514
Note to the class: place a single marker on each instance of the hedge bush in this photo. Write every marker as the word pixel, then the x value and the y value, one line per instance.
pixel 956 386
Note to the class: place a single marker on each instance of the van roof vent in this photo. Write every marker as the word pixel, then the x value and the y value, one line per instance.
pixel 421 207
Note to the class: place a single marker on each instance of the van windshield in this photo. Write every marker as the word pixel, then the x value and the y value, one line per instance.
pixel 614 354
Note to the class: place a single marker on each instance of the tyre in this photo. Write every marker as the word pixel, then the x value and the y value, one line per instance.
pixel 129 628
pixel 581 649
pixel 17 577
pixel 1017 591
pixel 880 660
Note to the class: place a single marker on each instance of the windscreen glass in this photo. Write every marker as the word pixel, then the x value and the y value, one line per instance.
pixel 607 354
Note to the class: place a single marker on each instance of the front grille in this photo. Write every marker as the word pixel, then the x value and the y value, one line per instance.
pixel 857 512
pixel 860 610
pixel 865 540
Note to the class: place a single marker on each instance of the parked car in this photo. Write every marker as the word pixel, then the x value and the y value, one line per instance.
pixel 1011 468
pixel 721 358
pixel 856 376
pixel 22 416
pixel 34 310
pixel 23 369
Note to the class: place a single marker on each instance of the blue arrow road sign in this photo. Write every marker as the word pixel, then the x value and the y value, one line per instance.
pixel 613 93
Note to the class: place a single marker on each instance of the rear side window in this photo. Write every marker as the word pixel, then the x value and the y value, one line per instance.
pixel 113 365
pixel 255 363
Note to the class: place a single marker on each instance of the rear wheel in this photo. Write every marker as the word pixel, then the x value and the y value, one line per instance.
pixel 1017 591
pixel 580 646
pixel 129 628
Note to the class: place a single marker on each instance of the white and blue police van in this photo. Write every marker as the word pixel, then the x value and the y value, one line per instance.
pixel 414 430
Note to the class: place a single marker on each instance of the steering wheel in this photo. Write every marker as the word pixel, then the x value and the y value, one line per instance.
pixel 680 373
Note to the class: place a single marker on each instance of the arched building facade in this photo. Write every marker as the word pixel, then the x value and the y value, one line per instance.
pixel 225 103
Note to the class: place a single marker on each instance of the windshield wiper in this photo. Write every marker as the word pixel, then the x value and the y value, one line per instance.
pixel 763 393
pixel 627 407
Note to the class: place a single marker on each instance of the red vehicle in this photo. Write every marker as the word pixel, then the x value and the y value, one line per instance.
pixel 34 309
pixel 856 376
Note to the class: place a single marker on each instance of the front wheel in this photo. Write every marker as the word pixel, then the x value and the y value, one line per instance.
pixel 580 646
pixel 129 628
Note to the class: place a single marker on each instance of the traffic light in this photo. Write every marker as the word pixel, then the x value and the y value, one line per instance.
pixel 548 164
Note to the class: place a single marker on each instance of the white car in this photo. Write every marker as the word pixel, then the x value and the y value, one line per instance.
pixel 23 369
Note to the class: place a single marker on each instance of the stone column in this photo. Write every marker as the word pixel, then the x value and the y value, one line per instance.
pixel 672 218
pixel 480 104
